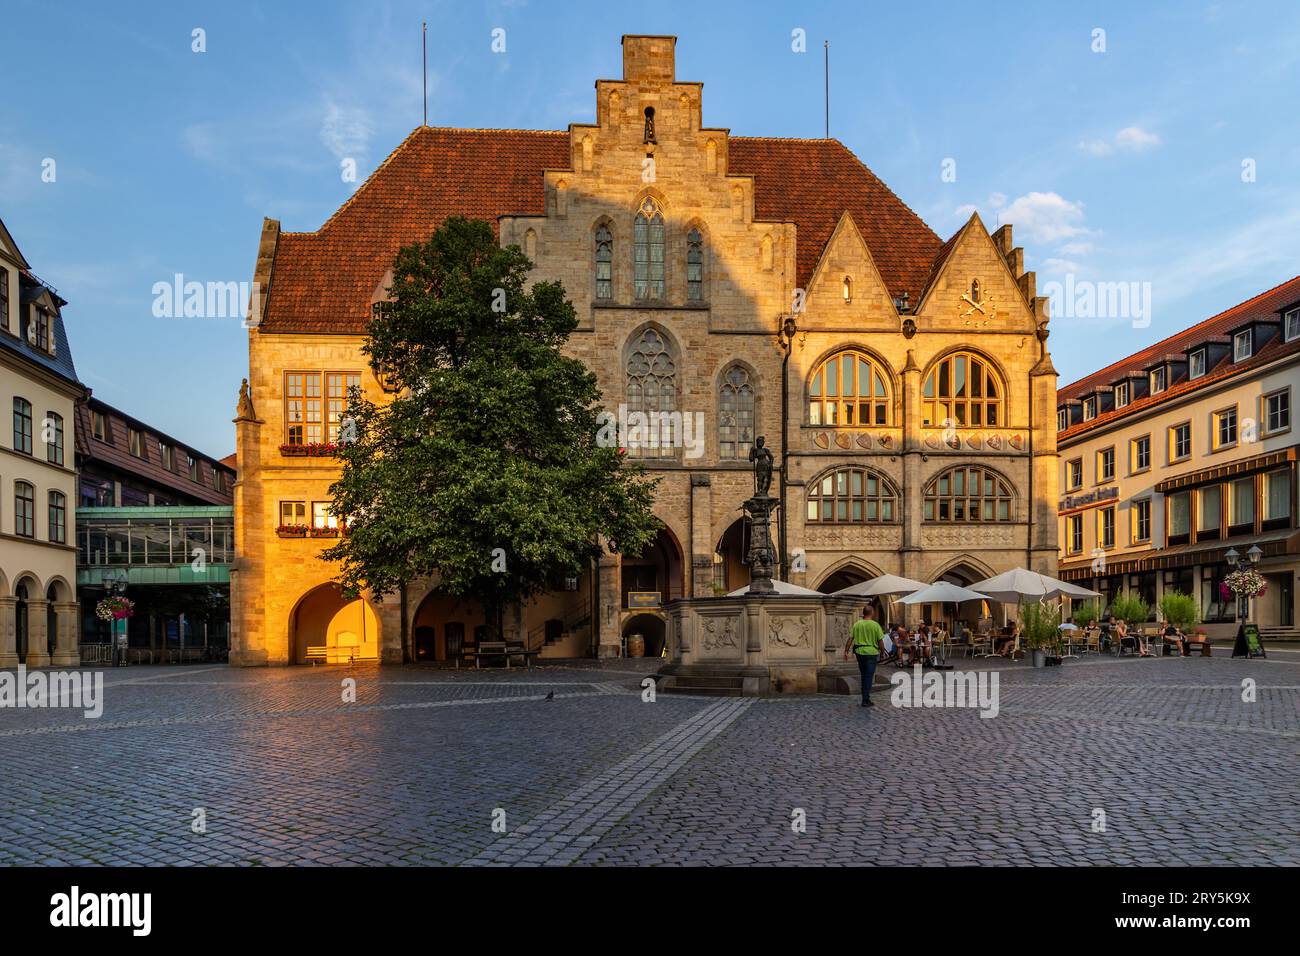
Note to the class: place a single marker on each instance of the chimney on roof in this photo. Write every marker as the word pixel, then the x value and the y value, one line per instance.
pixel 649 58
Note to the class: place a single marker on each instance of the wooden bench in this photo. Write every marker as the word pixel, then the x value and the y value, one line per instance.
pixel 317 654
pixel 1202 642
pixel 502 650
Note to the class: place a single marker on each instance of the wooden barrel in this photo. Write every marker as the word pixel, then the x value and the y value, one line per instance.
pixel 635 645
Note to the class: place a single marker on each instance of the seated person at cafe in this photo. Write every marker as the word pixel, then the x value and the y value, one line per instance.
pixel 1006 644
pixel 1174 636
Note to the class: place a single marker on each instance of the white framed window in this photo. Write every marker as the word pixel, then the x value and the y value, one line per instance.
pixel 1106 464
pixel 1121 394
pixel 1158 380
pixel 1242 345
pixel 1142 520
pixel 1062 419
pixel 1225 428
pixel 1291 325
pixel 1089 409
pixel 1241 503
pixel 1140 454
pixel 1276 411
pixel 1074 473
pixel 1106 527
pixel 1075 539
pixel 1180 441
pixel 1196 364
pixel 1277 495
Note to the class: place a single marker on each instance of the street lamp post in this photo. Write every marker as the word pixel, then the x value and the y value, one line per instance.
pixel 115 586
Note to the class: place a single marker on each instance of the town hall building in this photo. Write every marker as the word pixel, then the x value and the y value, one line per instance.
pixel 764 286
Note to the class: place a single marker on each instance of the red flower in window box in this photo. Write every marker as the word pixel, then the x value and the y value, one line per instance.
pixel 292 531
pixel 324 532
pixel 315 449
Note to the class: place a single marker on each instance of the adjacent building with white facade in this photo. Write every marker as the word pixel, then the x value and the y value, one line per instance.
pixel 38 478
pixel 1181 457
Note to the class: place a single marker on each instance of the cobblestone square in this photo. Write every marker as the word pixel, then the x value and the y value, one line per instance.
pixel 282 771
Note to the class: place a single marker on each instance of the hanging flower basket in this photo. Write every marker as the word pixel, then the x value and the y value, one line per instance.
pixel 1243 583
pixel 114 608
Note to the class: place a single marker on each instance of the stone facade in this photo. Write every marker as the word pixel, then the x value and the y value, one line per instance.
pixel 731 278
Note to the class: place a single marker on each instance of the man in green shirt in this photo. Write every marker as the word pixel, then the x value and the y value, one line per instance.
pixel 865 640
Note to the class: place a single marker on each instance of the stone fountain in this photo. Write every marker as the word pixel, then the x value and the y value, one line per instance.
pixel 762 642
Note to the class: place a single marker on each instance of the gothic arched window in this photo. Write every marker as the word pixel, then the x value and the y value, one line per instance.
pixel 851 496
pixel 604 263
pixel 849 389
pixel 648 240
pixel 969 493
pixel 965 390
pixel 735 413
pixel 694 266
pixel 651 387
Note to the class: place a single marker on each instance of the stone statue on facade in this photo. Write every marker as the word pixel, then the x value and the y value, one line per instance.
pixel 761 457
pixel 244 410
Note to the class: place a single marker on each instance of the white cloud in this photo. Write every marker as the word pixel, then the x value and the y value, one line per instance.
pixel 1131 139
pixel 346 131
pixel 1046 217
pixel 1136 139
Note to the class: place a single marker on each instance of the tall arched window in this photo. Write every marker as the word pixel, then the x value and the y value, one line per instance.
pixel 58 517
pixel 735 413
pixel 969 493
pixel 651 387
pixel 54 447
pixel 849 389
pixel 648 240
pixel 22 425
pixel 694 266
pixel 851 496
pixel 24 509
pixel 964 389
pixel 604 263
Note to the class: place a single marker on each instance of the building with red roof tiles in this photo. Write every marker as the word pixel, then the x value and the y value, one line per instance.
pixel 1181 457
pixel 768 287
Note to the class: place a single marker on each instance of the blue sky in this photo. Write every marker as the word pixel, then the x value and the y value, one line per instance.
pixel 1117 166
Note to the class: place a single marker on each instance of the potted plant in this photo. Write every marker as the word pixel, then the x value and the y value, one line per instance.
pixel 1081 614
pixel 1040 630
pixel 1180 610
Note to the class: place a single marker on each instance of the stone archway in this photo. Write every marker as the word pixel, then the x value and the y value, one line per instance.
pixel 444 628
pixel 653 630
pixel 325 626
pixel 730 567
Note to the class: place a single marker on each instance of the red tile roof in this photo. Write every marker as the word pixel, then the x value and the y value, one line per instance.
pixel 1264 306
pixel 323 281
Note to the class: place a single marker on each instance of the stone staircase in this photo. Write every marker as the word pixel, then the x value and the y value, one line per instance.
pixel 1279 633
pixel 704 686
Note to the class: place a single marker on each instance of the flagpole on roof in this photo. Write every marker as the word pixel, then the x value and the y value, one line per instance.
pixel 826 77
pixel 424 68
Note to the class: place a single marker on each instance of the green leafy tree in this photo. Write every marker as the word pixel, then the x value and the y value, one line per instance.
pixel 485 469
pixel 1180 610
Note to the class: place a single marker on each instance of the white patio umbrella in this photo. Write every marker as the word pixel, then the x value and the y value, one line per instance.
pixel 1019 584
pixel 781 587
pixel 886 585
pixel 943 592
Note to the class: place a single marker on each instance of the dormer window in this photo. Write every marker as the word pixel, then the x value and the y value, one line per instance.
pixel 1158 380
pixel 1089 409
pixel 1291 325
pixel 1196 364
pixel 1121 394
pixel 1242 344
pixel 1062 419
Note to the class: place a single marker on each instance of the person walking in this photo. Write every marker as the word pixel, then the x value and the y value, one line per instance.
pixel 864 640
